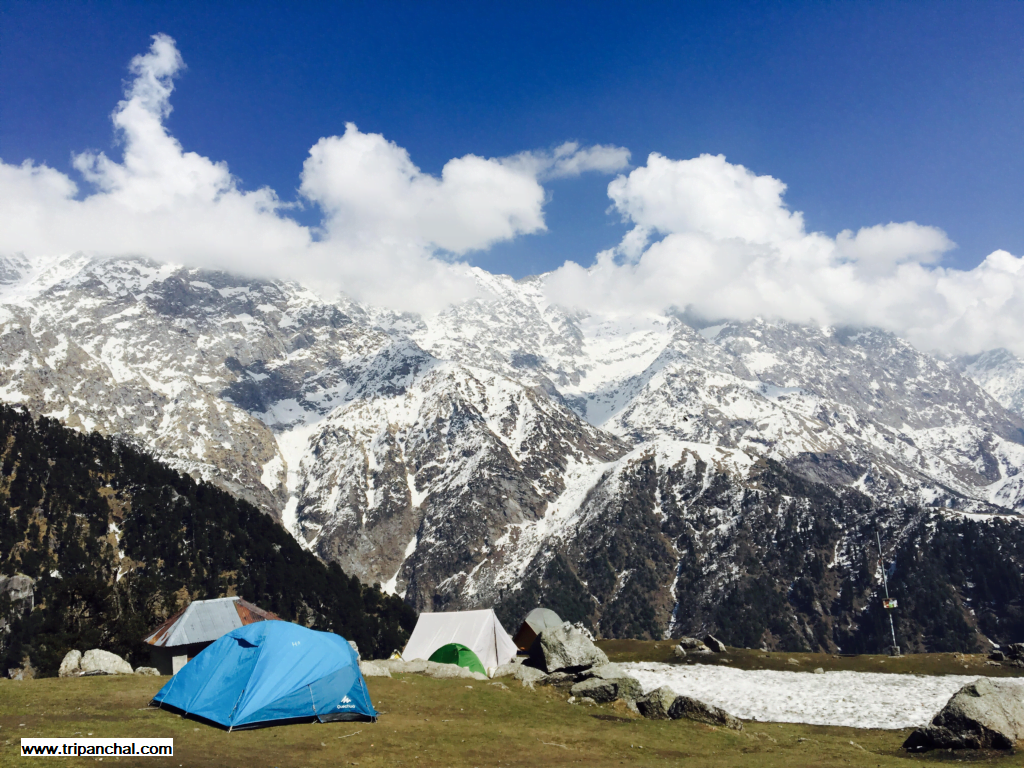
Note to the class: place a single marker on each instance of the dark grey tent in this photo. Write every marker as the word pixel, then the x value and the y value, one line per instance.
pixel 536 622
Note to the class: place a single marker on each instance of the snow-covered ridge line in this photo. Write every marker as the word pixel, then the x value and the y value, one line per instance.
pixel 468 456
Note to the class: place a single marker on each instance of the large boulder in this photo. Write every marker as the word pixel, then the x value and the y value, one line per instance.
pixel 657 704
pixel 985 714
pixel 71 666
pixel 603 690
pixel 715 644
pixel 687 708
pixel 566 649
pixel 105 662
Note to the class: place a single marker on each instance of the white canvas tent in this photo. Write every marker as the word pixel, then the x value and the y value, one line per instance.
pixel 479 631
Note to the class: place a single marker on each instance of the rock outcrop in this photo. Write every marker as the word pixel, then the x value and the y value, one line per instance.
pixel 985 714
pixel 565 649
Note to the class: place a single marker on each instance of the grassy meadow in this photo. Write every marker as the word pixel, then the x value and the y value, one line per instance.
pixel 746 658
pixel 427 722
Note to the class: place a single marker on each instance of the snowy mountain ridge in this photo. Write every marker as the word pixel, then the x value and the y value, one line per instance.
pixel 506 445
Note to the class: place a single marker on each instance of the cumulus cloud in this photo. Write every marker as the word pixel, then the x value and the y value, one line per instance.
pixel 370 189
pixel 708 236
pixel 713 238
pixel 390 234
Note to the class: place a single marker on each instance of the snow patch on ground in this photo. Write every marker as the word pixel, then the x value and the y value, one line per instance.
pixel 852 699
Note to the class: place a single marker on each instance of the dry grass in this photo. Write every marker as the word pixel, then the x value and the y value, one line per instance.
pixel 741 658
pixel 428 722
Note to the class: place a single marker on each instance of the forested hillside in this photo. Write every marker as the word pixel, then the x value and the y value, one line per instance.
pixel 118 542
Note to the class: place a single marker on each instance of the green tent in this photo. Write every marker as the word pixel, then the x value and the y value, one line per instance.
pixel 457 653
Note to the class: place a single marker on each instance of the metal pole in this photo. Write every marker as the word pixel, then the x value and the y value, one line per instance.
pixel 885 583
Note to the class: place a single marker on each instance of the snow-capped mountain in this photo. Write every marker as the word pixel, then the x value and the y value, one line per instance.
pixel 638 472
pixel 1001 373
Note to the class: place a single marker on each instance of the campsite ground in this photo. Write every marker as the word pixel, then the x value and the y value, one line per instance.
pixel 746 658
pixel 427 722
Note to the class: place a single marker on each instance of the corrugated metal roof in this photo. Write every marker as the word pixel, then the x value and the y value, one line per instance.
pixel 206 620
pixel 250 614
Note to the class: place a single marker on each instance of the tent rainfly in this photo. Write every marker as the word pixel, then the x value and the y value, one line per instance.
pixel 271 673
pixel 179 639
pixel 480 631
pixel 457 653
pixel 536 622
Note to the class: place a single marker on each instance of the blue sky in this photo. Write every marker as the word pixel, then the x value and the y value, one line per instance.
pixel 869 112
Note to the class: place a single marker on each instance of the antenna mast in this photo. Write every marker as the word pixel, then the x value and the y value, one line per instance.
pixel 889 604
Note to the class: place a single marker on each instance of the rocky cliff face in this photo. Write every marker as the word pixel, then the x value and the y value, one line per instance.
pixel 639 473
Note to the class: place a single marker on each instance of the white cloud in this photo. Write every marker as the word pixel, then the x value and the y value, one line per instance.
pixel 371 190
pixel 707 235
pixel 880 249
pixel 569 160
pixel 385 221
pixel 726 246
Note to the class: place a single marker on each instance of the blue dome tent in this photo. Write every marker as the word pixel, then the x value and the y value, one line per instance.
pixel 271 673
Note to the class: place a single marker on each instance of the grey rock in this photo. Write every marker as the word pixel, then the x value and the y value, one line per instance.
pixel 819 671
pixel 985 714
pixel 25 672
pixel 609 671
pixel 147 671
pixel 528 675
pixel 657 704
pixel 679 652
pixel 506 670
pixel 71 665
pixel 715 644
pixel 403 667
pixel 374 669
pixel 106 662
pixel 355 648
pixel 558 678
pixel 429 668
pixel 20 589
pixel 604 690
pixel 1015 650
pixel 685 707
pixel 566 648
pixel 690 643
